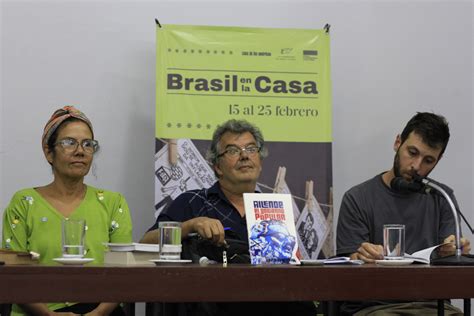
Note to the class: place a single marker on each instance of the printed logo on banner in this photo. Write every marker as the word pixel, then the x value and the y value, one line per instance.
pixel 255 53
pixel 287 54
pixel 310 55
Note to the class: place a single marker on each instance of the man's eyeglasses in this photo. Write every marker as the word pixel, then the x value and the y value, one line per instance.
pixel 70 145
pixel 234 151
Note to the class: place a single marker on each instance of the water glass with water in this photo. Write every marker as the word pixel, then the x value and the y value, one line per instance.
pixel 73 234
pixel 170 240
pixel 394 241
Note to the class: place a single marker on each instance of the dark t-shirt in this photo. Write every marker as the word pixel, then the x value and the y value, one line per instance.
pixel 365 208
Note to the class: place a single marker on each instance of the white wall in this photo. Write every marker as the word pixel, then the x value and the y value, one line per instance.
pixel 389 60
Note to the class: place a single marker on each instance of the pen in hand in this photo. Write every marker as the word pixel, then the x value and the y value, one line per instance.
pixel 196 234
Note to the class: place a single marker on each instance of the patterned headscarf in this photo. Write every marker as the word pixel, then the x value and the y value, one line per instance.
pixel 59 116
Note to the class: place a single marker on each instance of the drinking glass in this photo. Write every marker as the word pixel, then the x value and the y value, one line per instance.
pixel 170 240
pixel 394 241
pixel 73 233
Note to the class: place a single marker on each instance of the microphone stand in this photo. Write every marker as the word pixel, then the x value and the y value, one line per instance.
pixel 458 259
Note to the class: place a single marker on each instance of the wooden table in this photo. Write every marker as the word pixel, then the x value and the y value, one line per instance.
pixel 191 283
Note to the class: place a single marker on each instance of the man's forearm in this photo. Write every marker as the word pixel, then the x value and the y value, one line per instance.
pixel 151 237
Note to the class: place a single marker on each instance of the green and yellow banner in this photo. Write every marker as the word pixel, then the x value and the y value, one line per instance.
pixel 278 79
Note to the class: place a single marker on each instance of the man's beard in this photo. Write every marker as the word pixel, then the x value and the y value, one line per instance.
pixel 396 166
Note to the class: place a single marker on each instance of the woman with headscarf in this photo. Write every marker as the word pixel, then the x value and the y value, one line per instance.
pixel 32 220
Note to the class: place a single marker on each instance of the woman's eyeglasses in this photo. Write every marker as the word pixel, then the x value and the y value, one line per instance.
pixel 71 144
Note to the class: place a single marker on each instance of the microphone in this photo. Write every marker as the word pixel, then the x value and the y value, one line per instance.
pixel 204 261
pixel 422 185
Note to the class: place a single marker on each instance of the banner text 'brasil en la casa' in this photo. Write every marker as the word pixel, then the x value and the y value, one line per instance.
pixel 278 79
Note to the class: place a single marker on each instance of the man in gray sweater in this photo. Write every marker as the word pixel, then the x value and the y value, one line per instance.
pixel 428 218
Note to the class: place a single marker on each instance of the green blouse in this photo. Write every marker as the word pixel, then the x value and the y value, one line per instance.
pixel 30 223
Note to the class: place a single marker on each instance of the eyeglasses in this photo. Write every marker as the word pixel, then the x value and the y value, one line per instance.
pixel 234 151
pixel 70 145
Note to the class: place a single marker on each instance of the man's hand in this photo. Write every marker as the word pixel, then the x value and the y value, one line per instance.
pixel 450 248
pixel 368 252
pixel 208 228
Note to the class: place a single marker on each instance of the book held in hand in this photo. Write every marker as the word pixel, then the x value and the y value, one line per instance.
pixel 424 255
